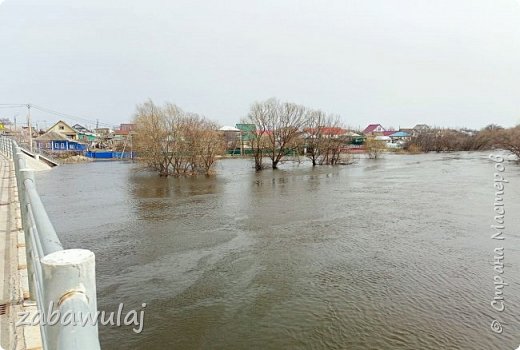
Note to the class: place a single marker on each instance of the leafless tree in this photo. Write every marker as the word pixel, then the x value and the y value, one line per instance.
pixel 510 140
pixel 278 126
pixel 173 142
pixel 374 148
pixel 448 140
pixel 325 139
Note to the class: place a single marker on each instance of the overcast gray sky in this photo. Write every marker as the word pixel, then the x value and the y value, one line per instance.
pixel 394 62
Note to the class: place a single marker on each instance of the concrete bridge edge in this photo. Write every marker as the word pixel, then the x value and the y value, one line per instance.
pixel 25 337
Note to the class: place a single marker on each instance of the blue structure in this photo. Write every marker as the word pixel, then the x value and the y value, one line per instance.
pixel 400 134
pixel 67 145
pixel 110 155
pixel 56 145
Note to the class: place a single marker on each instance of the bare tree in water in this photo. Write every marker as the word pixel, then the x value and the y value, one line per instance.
pixel 509 139
pixel 374 148
pixel 325 139
pixel 278 126
pixel 173 142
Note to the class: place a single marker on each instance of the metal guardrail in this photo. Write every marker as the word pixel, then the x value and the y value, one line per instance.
pixel 61 281
pixel 37 154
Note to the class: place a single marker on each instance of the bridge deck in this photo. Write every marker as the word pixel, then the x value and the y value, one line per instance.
pixel 13 269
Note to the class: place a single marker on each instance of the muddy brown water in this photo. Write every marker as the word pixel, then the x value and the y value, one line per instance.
pixel 392 253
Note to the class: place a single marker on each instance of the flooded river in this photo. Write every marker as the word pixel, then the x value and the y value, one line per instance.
pixel 393 253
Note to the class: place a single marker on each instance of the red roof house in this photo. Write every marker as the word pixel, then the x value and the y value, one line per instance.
pixel 374 129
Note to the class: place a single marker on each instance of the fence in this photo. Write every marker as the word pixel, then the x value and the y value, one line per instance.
pixel 61 281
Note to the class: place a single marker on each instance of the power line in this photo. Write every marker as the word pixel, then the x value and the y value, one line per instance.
pixel 68 116
pixel 13 106
pixel 53 112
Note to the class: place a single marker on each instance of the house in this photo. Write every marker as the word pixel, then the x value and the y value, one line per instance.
pixel 128 127
pixel 84 134
pixel 124 130
pixel 121 137
pixel 54 141
pixel 400 137
pixel 103 131
pixel 104 138
pixel 80 128
pixel 246 135
pixel 64 129
pixel 374 129
pixel 354 138
pixel 421 128
pixel 325 132
pixel 409 131
pixel 383 138
pixel 231 136
pixel 247 132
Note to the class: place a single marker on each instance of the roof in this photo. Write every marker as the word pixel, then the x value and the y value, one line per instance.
pixel 352 134
pixel 327 130
pixel 382 138
pixel 400 134
pixel 64 123
pixel 127 126
pixel 51 136
pixel 246 127
pixel 264 132
pixel 388 132
pixel 79 127
pixel 228 128
pixel 371 128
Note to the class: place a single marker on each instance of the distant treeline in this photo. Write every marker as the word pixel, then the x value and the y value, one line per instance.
pixel 174 142
pixel 446 140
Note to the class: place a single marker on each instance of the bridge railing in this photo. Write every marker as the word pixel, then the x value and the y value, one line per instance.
pixel 61 281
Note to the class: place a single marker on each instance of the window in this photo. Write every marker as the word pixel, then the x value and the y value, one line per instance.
pixel 62 127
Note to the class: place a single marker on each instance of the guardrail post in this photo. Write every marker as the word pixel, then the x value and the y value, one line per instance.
pixel 19 163
pixel 13 146
pixel 69 283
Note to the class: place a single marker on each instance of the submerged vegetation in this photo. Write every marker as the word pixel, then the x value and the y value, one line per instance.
pixel 174 142
pixel 282 128
pixel 447 140
pixel 171 141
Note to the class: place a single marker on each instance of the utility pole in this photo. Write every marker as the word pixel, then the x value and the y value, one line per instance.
pixel 30 127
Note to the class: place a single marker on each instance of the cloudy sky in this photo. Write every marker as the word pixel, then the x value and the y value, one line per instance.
pixel 394 62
